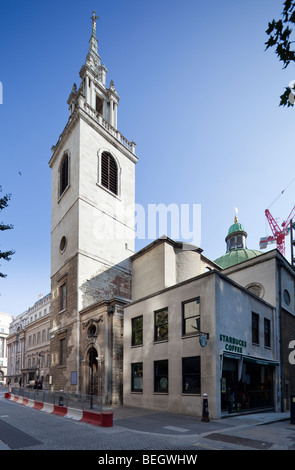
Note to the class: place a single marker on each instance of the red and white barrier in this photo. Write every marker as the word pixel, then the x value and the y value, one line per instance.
pixel 104 419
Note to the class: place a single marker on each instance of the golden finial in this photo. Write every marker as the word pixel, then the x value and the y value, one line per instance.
pixel 236 216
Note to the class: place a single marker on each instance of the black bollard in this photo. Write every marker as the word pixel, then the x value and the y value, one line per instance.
pixel 205 415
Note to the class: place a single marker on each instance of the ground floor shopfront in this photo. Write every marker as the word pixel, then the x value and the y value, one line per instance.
pixel 247 384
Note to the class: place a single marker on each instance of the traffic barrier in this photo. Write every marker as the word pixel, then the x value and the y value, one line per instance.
pixel 59 410
pixel 91 418
pixel 31 403
pixel 104 419
pixel 74 414
pixel 48 407
pixel 38 405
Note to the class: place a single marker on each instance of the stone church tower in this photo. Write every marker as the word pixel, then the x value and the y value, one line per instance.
pixel 92 237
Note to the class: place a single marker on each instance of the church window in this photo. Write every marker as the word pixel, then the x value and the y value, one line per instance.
pixel 62 351
pixel 109 172
pixel 63 297
pixel 64 174
pixel 63 244
pixel 99 105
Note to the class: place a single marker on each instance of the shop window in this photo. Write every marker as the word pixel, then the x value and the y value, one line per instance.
pixel 137 330
pixel 136 377
pixel 161 325
pixel 191 317
pixel 191 375
pixel 267 333
pixel 161 376
pixel 255 328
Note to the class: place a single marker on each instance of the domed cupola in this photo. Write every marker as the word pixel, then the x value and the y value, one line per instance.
pixel 236 249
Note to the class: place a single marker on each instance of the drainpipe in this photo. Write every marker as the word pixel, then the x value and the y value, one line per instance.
pixel 111 311
pixel 279 264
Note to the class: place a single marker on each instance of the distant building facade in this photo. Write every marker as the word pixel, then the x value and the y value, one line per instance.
pixel 28 345
pixel 5 320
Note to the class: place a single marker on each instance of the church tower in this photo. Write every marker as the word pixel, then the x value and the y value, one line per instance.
pixel 92 236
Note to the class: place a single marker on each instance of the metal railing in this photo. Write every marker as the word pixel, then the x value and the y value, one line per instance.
pixel 61 398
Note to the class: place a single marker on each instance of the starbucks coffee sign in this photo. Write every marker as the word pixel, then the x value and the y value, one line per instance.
pixel 232 344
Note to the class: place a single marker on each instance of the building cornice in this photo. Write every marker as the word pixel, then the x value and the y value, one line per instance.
pixel 90 116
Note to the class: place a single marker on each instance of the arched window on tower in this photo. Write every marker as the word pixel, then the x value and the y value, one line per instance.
pixel 109 172
pixel 64 174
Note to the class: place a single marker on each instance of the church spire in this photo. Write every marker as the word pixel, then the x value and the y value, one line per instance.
pixel 93 40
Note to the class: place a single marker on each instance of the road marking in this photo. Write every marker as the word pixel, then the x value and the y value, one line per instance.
pixel 175 428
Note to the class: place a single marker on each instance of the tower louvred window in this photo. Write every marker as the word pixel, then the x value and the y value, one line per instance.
pixel 109 173
pixel 64 174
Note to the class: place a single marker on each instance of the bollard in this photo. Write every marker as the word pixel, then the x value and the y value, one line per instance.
pixel 205 414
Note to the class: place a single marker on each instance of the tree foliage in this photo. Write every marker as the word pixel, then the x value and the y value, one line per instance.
pixel 6 255
pixel 280 37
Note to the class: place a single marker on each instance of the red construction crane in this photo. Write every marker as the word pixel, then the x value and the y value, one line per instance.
pixel 278 234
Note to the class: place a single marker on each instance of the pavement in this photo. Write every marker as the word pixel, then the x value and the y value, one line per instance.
pixel 151 429
pixel 256 431
pixel 147 420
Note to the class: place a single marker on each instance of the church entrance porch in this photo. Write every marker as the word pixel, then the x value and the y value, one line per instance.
pixel 246 384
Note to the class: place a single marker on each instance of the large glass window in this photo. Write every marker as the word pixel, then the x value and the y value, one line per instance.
pixel 191 375
pixel 267 333
pixel 137 330
pixel 161 376
pixel 161 325
pixel 136 377
pixel 191 317
pixel 255 328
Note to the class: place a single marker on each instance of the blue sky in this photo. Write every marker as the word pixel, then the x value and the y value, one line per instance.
pixel 198 95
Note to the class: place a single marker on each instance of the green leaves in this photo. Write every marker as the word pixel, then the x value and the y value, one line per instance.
pixel 6 255
pixel 280 33
pixel 285 98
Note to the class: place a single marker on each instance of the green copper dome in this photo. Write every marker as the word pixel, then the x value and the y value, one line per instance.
pixel 237 256
pixel 236 251
pixel 236 227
